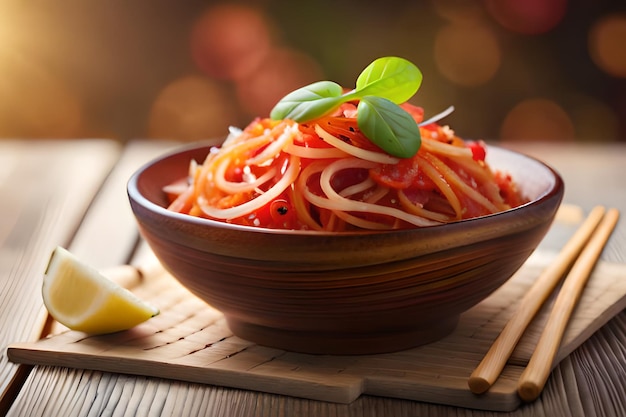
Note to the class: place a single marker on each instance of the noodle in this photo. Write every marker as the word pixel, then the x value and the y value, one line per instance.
pixel 314 153
pixel 353 150
pixel 456 181
pixel 265 198
pixel 327 176
pixel 444 186
pixel 239 187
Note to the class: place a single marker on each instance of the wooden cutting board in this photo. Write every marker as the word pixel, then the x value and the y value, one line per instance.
pixel 190 341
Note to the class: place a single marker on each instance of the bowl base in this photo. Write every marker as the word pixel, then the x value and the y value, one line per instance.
pixel 342 343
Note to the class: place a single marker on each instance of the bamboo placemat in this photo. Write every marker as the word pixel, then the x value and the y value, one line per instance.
pixel 190 341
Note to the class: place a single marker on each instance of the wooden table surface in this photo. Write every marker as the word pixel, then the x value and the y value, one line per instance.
pixel 72 194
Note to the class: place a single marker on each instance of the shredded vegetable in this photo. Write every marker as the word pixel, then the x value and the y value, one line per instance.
pixel 326 175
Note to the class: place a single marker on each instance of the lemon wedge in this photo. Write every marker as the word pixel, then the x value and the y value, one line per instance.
pixel 81 298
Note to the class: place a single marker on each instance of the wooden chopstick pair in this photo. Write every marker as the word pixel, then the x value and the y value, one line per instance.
pixel 582 250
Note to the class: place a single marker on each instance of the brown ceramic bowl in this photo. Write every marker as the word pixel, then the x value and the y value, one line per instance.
pixel 350 293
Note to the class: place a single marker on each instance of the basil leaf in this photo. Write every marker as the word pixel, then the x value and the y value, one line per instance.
pixel 388 126
pixel 393 78
pixel 309 102
pixel 383 85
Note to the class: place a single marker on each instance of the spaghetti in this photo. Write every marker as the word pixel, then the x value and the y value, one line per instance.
pixel 326 175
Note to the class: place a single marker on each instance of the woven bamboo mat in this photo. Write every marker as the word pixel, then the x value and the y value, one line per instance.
pixel 190 341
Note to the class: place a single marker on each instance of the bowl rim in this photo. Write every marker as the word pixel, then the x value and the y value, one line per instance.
pixel 137 197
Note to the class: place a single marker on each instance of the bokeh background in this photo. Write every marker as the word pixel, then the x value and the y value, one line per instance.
pixel 514 69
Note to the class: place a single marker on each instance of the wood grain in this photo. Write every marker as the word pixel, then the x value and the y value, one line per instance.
pixel 108 234
pixel 190 341
pixel 536 373
pixel 588 382
pixel 43 200
pixel 494 361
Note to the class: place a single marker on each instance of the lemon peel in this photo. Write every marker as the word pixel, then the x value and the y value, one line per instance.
pixel 83 299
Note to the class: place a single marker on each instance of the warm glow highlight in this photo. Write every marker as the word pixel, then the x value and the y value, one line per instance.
pixel 607 44
pixel 230 41
pixel 468 55
pixel 40 107
pixel 192 108
pixel 529 17
pixel 537 119
pixel 283 70
pixel 123 70
pixel 35 101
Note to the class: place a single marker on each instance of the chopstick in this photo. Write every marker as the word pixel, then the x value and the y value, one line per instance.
pixel 538 369
pixel 489 369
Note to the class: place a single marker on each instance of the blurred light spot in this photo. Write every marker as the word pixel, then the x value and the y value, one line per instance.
pixel 60 114
pixel 459 11
pixel 529 17
pixel 593 119
pixel 607 44
pixel 537 119
pixel 192 108
pixel 283 71
pixel 34 101
pixel 468 55
pixel 36 104
pixel 230 41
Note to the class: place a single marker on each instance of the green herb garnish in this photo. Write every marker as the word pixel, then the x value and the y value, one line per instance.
pixel 381 86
